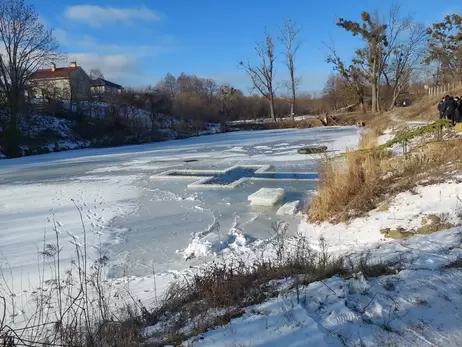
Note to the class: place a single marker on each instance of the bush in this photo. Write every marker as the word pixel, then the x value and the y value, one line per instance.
pixel 348 190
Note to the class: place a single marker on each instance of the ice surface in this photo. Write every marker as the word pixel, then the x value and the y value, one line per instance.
pixel 149 226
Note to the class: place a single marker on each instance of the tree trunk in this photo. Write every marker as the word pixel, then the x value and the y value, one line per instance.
pixel 359 93
pixel 13 142
pixel 292 106
pixel 396 94
pixel 271 104
pixel 374 98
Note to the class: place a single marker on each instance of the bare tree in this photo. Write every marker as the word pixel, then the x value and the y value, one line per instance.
pixel 338 93
pixel 368 59
pixel 210 89
pixel 404 54
pixel 158 104
pixel 95 73
pixel 169 84
pixel 228 99
pixel 27 45
pixel 289 34
pixel 351 74
pixel 262 75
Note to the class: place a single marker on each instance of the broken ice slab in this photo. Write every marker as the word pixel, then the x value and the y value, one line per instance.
pixel 266 196
pixel 289 208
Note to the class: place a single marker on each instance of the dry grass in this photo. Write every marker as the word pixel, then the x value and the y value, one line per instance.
pixel 223 291
pixel 368 178
pixel 379 123
pixel 344 192
pixel 430 224
pixel 368 139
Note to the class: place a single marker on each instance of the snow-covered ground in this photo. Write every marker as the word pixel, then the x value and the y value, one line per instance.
pixel 269 120
pixel 418 306
pixel 156 231
pixel 145 225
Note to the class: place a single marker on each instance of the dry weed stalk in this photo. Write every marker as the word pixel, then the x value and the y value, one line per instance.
pixel 71 307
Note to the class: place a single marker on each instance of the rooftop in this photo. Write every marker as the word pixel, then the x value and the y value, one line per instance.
pixel 103 82
pixel 54 72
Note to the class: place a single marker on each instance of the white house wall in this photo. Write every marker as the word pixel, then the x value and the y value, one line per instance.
pixel 53 88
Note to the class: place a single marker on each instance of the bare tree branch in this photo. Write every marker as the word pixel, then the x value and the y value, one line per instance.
pixel 25 45
pixel 95 73
pixel 288 37
pixel 351 74
pixel 403 55
pixel 262 75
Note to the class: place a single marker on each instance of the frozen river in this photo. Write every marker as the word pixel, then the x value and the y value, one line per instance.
pixel 143 223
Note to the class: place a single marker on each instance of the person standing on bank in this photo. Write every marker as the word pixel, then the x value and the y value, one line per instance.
pixel 440 108
pixel 458 109
pixel 449 109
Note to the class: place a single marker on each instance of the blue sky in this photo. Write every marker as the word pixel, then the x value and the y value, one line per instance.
pixel 137 42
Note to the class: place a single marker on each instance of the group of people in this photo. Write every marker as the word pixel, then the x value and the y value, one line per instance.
pixel 451 108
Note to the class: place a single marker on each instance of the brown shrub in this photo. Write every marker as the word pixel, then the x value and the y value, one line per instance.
pixel 368 139
pixel 346 191
pixel 379 123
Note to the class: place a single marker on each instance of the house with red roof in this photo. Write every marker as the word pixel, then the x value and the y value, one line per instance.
pixel 65 83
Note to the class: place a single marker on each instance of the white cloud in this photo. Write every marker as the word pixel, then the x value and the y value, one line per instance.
pixel 86 43
pixel 97 16
pixel 122 64
pixel 114 67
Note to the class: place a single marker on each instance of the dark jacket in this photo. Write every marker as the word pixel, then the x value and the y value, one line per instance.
pixel 440 106
pixel 440 109
pixel 458 111
pixel 449 108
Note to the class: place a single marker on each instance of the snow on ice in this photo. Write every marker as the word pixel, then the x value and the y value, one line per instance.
pixel 266 196
pixel 141 221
